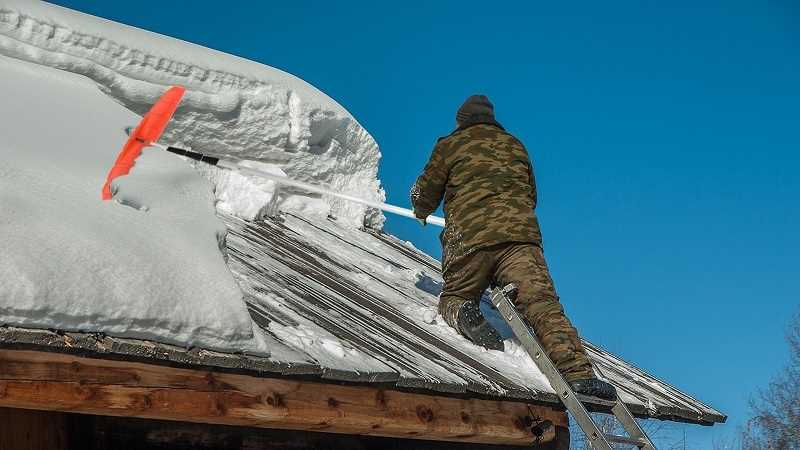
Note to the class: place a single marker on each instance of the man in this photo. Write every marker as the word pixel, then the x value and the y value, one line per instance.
pixel 492 237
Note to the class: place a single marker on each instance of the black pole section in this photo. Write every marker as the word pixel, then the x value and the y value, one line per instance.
pixel 194 155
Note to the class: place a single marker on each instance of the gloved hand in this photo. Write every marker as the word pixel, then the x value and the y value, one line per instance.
pixel 420 220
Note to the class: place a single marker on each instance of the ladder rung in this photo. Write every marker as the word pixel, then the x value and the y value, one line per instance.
pixel 625 440
pixel 596 400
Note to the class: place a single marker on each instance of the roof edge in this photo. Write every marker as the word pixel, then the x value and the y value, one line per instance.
pixel 69 383
pixel 100 346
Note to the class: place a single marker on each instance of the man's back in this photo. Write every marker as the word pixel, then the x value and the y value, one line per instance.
pixel 485 177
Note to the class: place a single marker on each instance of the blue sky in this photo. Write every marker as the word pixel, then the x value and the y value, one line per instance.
pixel 664 138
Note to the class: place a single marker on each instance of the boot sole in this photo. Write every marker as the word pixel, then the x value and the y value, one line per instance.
pixel 474 327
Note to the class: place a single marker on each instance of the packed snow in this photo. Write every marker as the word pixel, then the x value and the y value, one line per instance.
pixel 146 265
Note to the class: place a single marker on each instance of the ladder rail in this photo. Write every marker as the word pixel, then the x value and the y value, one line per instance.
pixel 532 346
pixel 597 438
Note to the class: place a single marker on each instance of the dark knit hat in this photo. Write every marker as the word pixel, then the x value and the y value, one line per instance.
pixel 475 109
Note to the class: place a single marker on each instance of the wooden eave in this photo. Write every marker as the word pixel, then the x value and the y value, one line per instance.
pixel 50 381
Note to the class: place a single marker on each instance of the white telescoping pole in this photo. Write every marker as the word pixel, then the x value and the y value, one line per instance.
pixel 324 190
pixel 233 165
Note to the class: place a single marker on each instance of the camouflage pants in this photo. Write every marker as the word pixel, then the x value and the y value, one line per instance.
pixel 522 264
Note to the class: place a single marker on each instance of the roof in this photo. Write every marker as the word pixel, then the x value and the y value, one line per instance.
pixel 358 306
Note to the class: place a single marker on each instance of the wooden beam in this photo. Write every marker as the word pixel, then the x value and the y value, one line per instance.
pixel 62 382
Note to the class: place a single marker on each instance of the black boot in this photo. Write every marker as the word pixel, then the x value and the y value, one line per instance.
pixel 473 326
pixel 594 387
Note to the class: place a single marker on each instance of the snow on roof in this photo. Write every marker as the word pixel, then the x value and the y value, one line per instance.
pixel 359 306
pixel 377 296
pixel 233 107
pixel 70 261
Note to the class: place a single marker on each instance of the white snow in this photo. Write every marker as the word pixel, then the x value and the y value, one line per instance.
pixel 242 195
pixel 146 265
pixel 233 107
pixel 328 350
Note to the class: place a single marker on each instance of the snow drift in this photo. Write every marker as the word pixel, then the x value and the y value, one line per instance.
pixel 150 264
pixel 147 265
pixel 233 107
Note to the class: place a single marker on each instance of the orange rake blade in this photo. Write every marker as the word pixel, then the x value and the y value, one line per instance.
pixel 148 131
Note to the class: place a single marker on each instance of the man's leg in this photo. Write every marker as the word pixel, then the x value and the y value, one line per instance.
pixel 524 265
pixel 464 283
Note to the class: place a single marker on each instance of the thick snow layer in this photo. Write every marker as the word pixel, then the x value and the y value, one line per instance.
pixel 233 107
pixel 147 264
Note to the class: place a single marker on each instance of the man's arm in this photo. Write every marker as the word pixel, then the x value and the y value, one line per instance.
pixel 531 174
pixel 427 192
pixel 533 183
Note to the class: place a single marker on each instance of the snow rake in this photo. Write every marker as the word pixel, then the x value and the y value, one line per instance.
pixel 501 299
pixel 234 165
pixel 149 130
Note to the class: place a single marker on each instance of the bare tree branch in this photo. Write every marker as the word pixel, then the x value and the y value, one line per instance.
pixel 775 424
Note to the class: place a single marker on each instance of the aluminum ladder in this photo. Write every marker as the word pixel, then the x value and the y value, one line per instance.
pixel 501 299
